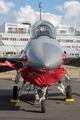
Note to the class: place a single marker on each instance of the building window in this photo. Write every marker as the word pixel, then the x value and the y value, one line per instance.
pixel 22 30
pixel 4 38
pixel 71 40
pixel 62 31
pixel 10 38
pixel 77 41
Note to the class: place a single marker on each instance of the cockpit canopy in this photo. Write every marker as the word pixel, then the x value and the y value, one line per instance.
pixel 43 28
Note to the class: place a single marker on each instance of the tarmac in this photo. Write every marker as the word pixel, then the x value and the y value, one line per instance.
pixel 57 108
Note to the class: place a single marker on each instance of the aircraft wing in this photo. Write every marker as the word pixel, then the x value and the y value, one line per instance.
pixel 72 60
pixel 10 63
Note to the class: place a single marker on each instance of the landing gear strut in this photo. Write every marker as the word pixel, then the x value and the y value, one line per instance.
pixel 65 90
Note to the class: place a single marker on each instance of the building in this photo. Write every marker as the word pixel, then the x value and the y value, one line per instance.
pixel 23 28
pixel 69 43
pixel 69 39
pixel 14 37
pixel 65 30
pixel 77 31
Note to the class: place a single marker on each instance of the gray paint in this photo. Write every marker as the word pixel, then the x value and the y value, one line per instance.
pixel 44 52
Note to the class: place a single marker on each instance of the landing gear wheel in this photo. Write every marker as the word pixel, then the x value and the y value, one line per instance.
pixel 15 93
pixel 43 106
pixel 69 92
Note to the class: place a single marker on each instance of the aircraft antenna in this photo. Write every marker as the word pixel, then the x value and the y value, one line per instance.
pixel 40 6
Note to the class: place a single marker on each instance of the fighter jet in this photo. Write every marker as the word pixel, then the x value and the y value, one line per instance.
pixel 40 64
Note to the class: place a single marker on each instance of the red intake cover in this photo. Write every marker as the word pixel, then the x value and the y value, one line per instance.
pixel 41 78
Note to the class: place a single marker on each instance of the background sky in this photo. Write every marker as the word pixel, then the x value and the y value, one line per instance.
pixel 57 12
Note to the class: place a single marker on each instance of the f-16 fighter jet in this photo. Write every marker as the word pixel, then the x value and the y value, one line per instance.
pixel 40 64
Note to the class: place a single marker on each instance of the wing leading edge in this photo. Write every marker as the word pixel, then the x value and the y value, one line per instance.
pixel 11 63
pixel 72 60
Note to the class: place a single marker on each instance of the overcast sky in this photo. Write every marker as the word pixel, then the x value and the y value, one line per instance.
pixel 55 11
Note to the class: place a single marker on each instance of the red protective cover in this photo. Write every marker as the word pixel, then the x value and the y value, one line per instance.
pixel 43 79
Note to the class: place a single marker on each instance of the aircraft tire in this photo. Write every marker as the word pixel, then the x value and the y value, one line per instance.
pixel 15 94
pixel 69 92
pixel 43 106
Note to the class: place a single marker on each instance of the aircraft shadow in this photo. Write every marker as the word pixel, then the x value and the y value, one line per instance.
pixel 5 98
pixel 6 105
pixel 7 79
pixel 55 94
pixel 76 94
pixel 28 98
pixel 33 111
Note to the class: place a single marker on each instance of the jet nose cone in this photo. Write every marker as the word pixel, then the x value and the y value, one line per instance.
pixel 44 55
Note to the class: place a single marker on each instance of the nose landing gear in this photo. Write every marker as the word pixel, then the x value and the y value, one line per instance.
pixel 43 106
pixel 40 95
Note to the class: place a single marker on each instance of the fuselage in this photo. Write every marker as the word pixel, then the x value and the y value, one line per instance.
pixel 43 53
